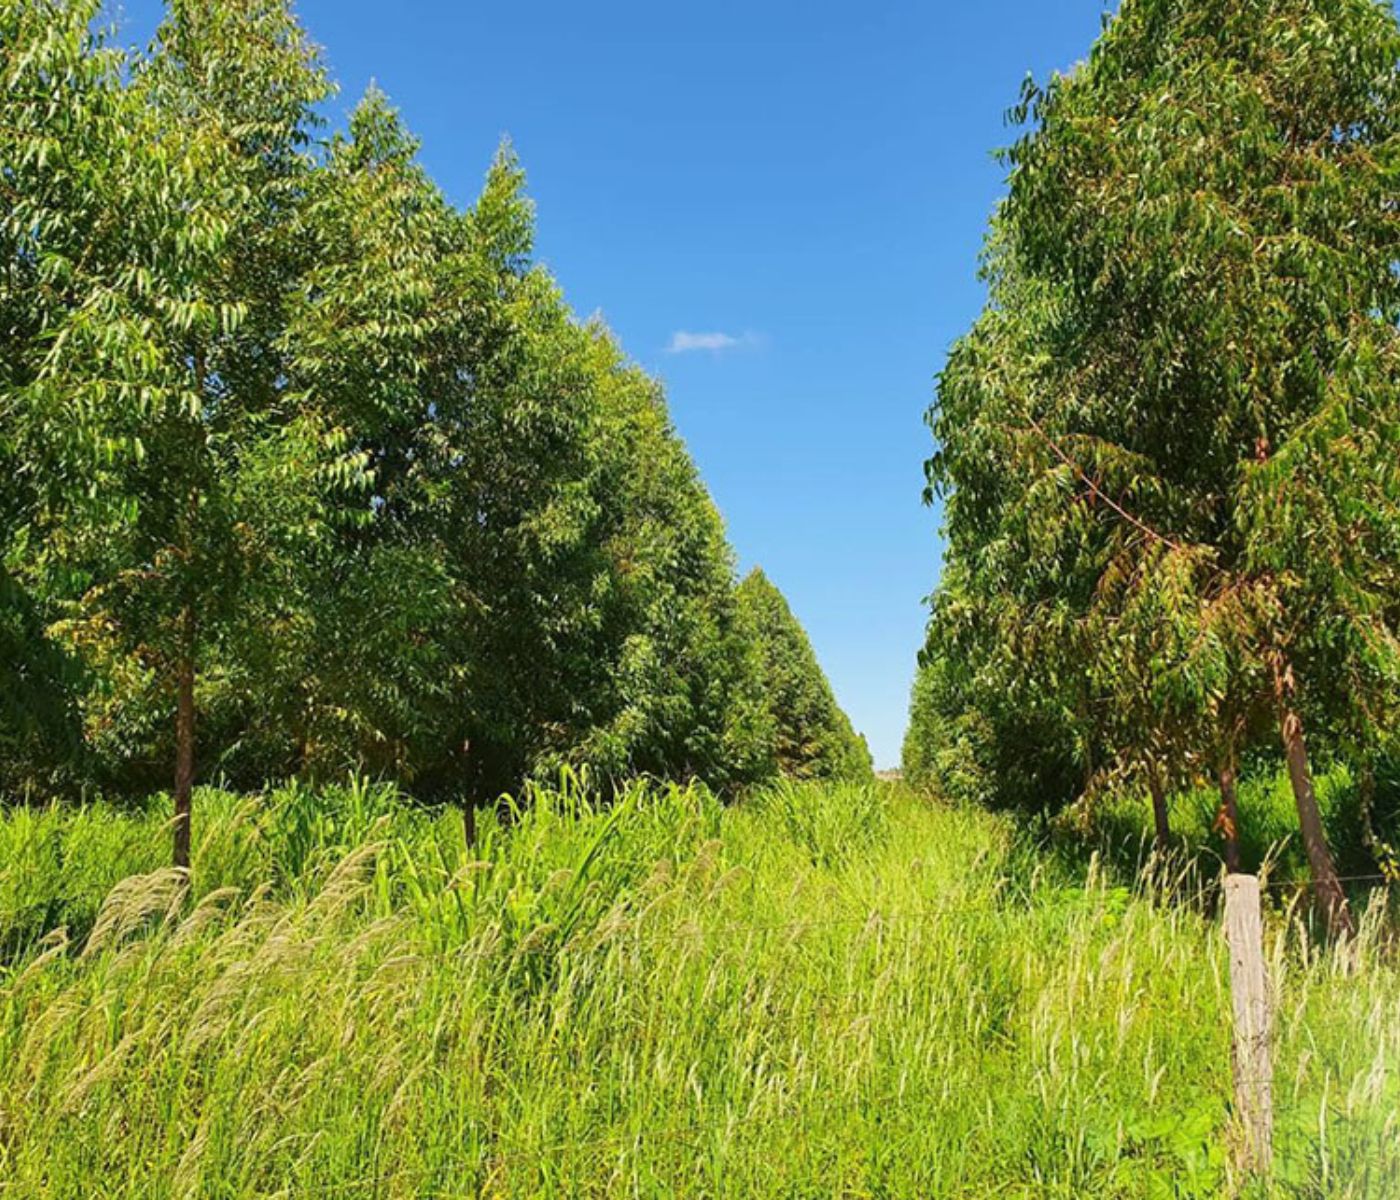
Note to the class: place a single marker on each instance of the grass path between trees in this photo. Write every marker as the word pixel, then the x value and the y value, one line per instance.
pixel 827 991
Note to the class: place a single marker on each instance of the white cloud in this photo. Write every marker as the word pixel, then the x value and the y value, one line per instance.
pixel 683 342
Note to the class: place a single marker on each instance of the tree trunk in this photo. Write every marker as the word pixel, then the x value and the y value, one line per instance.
pixel 469 821
pixel 1159 810
pixel 184 738
pixel 1326 887
pixel 1227 818
pixel 184 666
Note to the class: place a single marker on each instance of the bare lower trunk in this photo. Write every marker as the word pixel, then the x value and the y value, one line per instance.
pixel 1227 818
pixel 469 822
pixel 184 739
pixel 1159 810
pixel 1326 887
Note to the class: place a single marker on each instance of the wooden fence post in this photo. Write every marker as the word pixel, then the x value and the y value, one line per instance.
pixel 1253 1008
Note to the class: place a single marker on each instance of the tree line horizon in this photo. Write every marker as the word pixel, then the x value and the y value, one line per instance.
pixel 304 470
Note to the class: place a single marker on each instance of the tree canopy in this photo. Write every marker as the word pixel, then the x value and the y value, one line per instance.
pixel 1167 448
pixel 305 469
pixel 812 737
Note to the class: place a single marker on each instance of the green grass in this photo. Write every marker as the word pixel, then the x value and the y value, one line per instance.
pixel 823 992
pixel 1119 828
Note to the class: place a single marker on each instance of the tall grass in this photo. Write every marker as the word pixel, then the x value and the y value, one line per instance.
pixel 823 992
pixel 1119 827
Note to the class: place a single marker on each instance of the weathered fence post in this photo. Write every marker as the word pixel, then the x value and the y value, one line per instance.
pixel 1253 1007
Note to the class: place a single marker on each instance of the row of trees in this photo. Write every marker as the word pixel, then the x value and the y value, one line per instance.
pixel 300 455
pixel 1169 450
pixel 814 738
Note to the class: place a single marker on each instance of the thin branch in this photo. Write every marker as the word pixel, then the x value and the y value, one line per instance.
pixel 1097 491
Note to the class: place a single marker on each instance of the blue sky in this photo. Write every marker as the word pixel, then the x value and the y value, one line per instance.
pixel 778 206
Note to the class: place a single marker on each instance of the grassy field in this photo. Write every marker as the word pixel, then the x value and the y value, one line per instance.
pixel 824 992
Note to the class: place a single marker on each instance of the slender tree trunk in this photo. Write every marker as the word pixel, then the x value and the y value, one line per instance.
pixel 469 821
pixel 1326 887
pixel 1159 810
pixel 1227 818
pixel 184 738
pixel 184 666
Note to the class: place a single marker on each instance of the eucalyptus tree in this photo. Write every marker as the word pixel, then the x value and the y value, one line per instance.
pixel 159 383
pixel 813 737
pixel 539 578
pixel 1067 619
pixel 436 624
pixel 1030 625
pixel 60 105
pixel 603 629
pixel 1208 205
pixel 674 680
pixel 64 140
pixel 935 754
pixel 304 449
pixel 364 653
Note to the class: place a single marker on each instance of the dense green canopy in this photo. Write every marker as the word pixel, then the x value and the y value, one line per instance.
pixel 297 453
pixel 1168 448
pixel 811 737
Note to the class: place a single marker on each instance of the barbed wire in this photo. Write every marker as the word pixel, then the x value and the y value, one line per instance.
pixel 1006 904
pixel 1306 883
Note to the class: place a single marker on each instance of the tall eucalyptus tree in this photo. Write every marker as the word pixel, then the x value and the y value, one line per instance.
pixel 812 736
pixel 1196 264
pixel 157 382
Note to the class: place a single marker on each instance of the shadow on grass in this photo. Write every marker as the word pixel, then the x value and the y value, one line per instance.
pixel 1115 838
